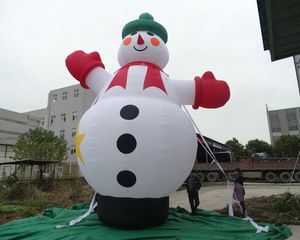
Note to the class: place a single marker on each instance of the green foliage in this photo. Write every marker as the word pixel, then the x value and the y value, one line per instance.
pixel 65 192
pixel 287 146
pixel 37 204
pixel 286 202
pixel 40 144
pixel 45 184
pixel 9 180
pixel 13 189
pixel 236 147
pixel 18 190
pixel 13 208
pixel 258 146
pixel 29 207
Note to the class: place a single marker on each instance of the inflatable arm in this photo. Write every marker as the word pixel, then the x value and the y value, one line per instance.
pixel 88 69
pixel 205 91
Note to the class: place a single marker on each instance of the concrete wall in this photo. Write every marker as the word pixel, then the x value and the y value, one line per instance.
pixel 42 114
pixel 68 105
pixel 12 124
pixel 283 122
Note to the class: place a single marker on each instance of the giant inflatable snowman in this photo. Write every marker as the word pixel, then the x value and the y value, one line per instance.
pixel 135 145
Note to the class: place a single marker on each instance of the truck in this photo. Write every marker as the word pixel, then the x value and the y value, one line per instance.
pixel 261 169
pixel 251 169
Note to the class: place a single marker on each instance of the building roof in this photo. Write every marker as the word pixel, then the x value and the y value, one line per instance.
pixel 213 143
pixel 30 162
pixel 280 27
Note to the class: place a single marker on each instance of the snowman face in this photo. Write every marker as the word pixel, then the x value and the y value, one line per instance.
pixel 143 46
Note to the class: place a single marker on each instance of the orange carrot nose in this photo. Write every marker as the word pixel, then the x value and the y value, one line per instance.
pixel 140 40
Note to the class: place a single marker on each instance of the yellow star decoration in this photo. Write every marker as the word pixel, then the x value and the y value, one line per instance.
pixel 78 140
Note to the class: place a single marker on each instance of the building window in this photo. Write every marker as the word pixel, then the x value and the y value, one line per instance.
pixel 291 117
pixel 76 93
pixel 73 149
pixel 63 117
pixel 74 115
pixel 62 133
pixel 54 98
pixel 52 119
pixel 274 119
pixel 293 128
pixel 276 129
pixel 64 95
pixel 43 121
pixel 275 123
pixel 2 151
pixel 73 132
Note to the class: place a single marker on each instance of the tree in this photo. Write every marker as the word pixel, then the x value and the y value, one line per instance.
pixel 258 146
pixel 40 144
pixel 287 146
pixel 236 147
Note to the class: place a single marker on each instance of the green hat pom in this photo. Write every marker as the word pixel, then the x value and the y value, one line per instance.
pixel 145 23
pixel 146 16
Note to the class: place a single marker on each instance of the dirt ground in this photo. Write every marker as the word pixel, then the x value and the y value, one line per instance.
pixel 214 197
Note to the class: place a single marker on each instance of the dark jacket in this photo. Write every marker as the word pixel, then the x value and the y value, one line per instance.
pixel 193 184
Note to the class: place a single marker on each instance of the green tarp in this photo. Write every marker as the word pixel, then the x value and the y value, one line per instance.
pixel 208 225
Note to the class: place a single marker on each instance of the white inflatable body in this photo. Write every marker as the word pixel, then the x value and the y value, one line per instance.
pixel 163 139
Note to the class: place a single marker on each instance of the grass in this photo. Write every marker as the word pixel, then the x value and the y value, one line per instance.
pixel 279 209
pixel 32 199
pixel 13 208
pixel 24 199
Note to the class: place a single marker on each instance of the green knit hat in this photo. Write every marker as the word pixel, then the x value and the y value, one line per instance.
pixel 145 23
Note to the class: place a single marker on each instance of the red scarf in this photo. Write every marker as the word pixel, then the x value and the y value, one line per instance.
pixel 152 79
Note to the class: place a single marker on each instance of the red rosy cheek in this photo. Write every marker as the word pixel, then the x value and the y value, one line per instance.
pixel 127 41
pixel 155 41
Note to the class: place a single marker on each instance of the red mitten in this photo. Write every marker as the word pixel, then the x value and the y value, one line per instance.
pixel 80 64
pixel 209 92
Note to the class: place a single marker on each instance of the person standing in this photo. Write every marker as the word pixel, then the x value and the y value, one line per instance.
pixel 238 176
pixel 193 185
pixel 239 195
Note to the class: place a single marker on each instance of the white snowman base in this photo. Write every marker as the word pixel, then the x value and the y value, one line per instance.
pixel 132 212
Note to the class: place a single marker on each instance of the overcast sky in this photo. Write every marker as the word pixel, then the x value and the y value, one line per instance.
pixel 217 35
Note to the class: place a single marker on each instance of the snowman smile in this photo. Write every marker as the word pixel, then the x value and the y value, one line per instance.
pixel 140 50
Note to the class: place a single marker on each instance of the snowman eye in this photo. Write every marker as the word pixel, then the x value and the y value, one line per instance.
pixel 150 33
pixel 133 33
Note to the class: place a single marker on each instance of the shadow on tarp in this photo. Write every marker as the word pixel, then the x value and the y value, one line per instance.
pixel 181 224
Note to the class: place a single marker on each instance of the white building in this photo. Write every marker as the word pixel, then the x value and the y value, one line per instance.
pixel 65 107
pixel 42 114
pixel 283 122
pixel 12 124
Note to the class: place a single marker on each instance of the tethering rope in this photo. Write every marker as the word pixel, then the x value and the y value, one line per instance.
pixel 92 207
pixel 296 163
pixel 258 228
